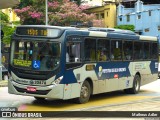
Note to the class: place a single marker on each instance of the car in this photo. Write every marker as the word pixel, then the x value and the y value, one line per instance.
pixel 5 75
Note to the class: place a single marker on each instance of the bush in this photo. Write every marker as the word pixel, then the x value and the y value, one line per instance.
pixel 125 27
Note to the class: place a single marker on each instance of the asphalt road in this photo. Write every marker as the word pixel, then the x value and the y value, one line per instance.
pixel 106 102
pixel 147 100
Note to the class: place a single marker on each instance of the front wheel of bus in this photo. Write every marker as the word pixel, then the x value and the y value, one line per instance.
pixel 136 86
pixel 84 93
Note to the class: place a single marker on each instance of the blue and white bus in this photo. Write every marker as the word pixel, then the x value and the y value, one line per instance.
pixel 65 62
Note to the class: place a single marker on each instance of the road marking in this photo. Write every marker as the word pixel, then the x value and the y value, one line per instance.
pixel 91 103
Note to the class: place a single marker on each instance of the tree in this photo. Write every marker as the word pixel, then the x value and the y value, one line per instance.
pixel 7 30
pixel 4 17
pixel 25 3
pixel 60 12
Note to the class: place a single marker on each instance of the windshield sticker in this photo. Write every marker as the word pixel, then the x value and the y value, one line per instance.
pixel 24 63
pixel 36 64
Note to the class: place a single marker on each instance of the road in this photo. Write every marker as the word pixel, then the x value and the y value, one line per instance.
pixel 147 100
pixel 148 93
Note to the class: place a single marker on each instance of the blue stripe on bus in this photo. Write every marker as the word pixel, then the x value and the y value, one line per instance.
pixel 154 67
pixel 69 77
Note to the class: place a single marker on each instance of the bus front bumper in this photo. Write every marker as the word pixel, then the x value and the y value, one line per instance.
pixel 51 91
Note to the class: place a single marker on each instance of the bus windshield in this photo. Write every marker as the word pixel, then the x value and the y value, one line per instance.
pixel 35 55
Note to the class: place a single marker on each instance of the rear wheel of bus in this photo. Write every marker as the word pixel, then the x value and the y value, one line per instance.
pixel 84 93
pixel 136 85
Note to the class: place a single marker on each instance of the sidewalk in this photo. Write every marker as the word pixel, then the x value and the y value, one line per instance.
pixel 3 83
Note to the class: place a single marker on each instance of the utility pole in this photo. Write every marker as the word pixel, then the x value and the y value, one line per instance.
pixel 46 12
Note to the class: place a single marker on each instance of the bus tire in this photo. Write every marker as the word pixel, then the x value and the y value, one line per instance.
pixel 136 86
pixel 39 98
pixel 84 93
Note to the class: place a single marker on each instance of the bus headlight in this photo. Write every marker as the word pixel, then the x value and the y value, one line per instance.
pixel 57 81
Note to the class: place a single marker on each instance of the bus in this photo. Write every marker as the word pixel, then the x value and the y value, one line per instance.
pixel 54 62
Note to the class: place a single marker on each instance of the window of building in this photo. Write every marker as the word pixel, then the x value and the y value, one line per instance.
pixel 146 30
pixel 149 12
pixel 120 19
pixel 107 14
pixel 128 18
pixel 97 16
pixel 158 28
pixel 102 15
pixel 138 16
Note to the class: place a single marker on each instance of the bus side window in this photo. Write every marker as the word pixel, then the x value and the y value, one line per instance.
pixel 127 50
pixel 116 49
pixel 138 51
pixel 103 49
pixel 73 52
pixel 90 49
pixel 154 50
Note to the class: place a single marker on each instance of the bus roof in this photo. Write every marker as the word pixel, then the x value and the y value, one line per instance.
pixel 92 31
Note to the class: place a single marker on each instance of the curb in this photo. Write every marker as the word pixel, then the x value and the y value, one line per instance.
pixel 3 83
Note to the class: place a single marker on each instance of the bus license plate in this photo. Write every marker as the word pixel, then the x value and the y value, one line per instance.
pixel 32 89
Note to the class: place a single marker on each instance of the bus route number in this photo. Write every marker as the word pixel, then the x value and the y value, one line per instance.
pixel 37 32
pixel 32 32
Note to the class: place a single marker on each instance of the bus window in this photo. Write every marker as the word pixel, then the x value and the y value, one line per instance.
pixel 146 50
pixel 127 50
pixel 73 53
pixel 103 50
pixel 154 51
pixel 138 50
pixel 90 49
pixel 116 50
pixel 45 55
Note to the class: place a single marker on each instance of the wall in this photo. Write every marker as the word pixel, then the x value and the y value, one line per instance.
pixel 145 18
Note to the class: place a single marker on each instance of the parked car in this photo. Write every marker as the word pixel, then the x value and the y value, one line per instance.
pixel 4 73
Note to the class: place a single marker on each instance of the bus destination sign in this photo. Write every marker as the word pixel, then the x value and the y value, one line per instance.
pixel 35 31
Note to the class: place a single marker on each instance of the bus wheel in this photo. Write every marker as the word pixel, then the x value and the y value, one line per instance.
pixel 39 98
pixel 84 93
pixel 136 86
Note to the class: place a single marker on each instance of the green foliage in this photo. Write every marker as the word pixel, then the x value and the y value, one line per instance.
pixel 4 17
pixel 8 31
pixel 125 27
pixel 60 12
pixel 24 3
pixel 16 23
